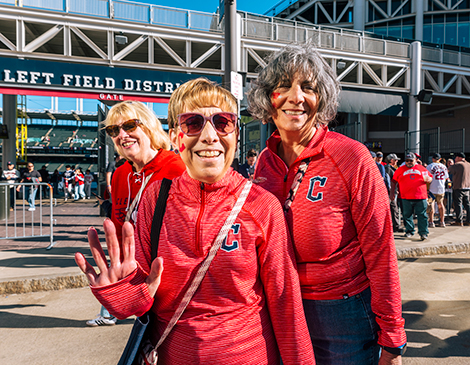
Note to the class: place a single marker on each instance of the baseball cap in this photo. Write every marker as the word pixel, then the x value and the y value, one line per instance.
pixel 460 154
pixel 379 154
pixel 372 153
pixel 392 156
pixel 436 156
pixel 410 156
pixel 10 163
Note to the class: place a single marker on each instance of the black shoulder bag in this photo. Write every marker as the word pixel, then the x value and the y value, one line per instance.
pixel 139 330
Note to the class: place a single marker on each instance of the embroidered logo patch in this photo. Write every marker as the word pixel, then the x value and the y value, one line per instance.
pixel 234 244
pixel 321 180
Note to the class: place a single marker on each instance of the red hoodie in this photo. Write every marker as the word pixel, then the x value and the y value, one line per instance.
pixel 126 183
pixel 248 305
pixel 340 224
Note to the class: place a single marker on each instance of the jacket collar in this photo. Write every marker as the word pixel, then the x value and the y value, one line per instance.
pixel 314 147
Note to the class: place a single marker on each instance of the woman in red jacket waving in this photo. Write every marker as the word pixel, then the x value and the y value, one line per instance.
pixel 247 309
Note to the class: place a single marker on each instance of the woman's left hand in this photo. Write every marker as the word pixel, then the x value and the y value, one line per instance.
pixel 386 358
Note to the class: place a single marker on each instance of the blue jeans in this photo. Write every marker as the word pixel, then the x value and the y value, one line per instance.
pixel 31 194
pixel 344 331
pixel 418 206
pixel 79 192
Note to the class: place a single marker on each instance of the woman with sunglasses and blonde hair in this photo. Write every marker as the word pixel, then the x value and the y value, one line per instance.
pixel 247 309
pixel 138 137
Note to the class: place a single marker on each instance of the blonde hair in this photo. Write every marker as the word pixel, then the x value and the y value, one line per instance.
pixel 199 93
pixel 148 122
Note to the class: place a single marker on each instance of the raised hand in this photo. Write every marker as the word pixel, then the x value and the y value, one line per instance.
pixel 122 259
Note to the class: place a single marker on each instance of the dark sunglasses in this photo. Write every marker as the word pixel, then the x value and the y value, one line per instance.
pixel 128 126
pixel 409 160
pixel 192 124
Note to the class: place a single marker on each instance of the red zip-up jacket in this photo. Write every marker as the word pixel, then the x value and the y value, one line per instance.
pixel 248 306
pixel 340 225
pixel 126 183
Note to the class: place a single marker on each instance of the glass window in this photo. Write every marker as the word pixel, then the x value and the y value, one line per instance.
pixel 451 34
pixel 463 17
pixel 463 29
pixel 427 33
pixel 408 32
pixel 427 19
pixel 438 18
pixel 451 18
pixel 438 33
pixel 394 32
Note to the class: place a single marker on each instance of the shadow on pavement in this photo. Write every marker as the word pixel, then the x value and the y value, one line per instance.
pixel 15 320
pixel 448 335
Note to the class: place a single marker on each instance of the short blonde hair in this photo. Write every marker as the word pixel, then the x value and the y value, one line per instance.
pixel 148 122
pixel 199 93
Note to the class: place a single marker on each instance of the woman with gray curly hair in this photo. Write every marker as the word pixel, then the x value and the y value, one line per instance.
pixel 340 219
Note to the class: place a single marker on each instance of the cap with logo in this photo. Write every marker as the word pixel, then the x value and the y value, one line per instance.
pixel 10 163
pixel 410 156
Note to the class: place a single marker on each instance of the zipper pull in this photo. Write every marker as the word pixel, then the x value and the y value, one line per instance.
pixel 285 178
pixel 202 186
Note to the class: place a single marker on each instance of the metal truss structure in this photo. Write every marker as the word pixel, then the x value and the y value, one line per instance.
pixel 360 60
pixel 445 71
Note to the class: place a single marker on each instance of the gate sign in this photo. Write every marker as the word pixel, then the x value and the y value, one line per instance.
pixel 84 78
pixel 237 85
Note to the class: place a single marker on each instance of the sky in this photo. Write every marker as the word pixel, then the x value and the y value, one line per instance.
pixel 210 6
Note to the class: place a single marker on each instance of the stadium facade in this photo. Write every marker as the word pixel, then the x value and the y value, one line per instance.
pixel 117 50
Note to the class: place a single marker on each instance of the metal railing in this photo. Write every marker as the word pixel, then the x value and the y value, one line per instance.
pixel 254 26
pixel 126 10
pixel 282 30
pixel 442 55
pixel 29 216
pixel 434 141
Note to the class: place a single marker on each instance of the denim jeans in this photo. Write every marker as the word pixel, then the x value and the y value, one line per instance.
pixel 418 206
pixel 31 194
pixel 461 199
pixel 79 192
pixel 344 331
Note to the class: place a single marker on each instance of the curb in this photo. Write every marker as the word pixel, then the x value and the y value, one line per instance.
pixel 80 280
pixel 45 284
pixel 413 252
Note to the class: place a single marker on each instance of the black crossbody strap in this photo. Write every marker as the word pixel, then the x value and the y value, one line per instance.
pixel 158 216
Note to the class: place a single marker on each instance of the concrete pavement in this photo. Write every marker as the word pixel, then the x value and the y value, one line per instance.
pixel 26 265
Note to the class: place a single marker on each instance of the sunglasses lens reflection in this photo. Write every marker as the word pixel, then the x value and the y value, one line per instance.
pixel 128 126
pixel 192 123
pixel 224 123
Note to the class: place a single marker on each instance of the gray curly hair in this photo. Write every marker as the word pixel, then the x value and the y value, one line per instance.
pixel 296 59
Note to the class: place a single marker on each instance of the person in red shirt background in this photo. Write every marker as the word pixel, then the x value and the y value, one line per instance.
pixel 79 184
pixel 412 178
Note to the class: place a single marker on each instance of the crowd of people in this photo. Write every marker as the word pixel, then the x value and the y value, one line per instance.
pixel 72 183
pixel 418 188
